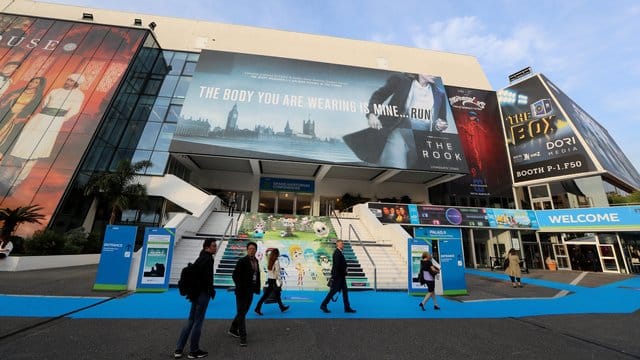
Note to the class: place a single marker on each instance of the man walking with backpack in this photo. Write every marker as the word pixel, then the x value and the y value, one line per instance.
pixel 199 294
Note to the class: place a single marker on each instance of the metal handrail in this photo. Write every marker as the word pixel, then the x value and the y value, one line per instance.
pixel 375 269
pixel 333 212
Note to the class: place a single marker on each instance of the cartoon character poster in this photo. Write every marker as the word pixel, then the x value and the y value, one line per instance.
pixel 306 245
pixel 56 80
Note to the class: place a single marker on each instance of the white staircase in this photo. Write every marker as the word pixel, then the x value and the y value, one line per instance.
pixel 217 224
pixel 390 266
pixel 187 249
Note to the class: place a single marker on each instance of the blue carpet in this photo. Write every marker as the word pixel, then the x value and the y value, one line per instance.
pixel 618 297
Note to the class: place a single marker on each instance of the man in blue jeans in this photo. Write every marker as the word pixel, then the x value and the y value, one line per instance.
pixel 199 298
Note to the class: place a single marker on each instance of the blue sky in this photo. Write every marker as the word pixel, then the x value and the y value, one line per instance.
pixel 589 49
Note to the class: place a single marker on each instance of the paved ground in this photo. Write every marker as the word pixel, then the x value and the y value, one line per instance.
pixel 602 329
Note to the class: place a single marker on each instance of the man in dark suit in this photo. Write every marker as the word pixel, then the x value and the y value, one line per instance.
pixel 339 280
pixel 246 277
pixel 416 103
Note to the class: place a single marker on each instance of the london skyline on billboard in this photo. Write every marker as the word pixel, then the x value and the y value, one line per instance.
pixel 243 105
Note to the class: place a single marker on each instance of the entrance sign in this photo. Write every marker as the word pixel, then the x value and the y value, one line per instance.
pixel 155 263
pixel 115 258
pixel 450 254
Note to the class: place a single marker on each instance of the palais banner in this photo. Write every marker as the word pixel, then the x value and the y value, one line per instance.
pixel 542 144
pixel 242 105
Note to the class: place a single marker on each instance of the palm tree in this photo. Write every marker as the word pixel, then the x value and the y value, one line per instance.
pixel 117 188
pixel 11 218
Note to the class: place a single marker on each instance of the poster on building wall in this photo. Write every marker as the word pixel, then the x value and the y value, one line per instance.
pixel 243 105
pixel 541 142
pixel 597 138
pixel 480 130
pixel 155 261
pixel 512 218
pixel 393 213
pixel 56 80
pixel 306 245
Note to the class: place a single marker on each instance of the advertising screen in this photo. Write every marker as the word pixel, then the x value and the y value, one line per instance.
pixel 56 80
pixel 541 142
pixel 478 122
pixel 602 145
pixel 242 105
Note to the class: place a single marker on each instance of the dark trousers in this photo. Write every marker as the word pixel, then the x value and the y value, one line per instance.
pixel 193 326
pixel 243 303
pixel 271 287
pixel 338 284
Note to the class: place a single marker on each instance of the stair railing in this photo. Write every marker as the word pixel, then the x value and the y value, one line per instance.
pixel 375 270
pixel 335 215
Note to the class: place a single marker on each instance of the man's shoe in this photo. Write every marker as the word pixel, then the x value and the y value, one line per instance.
pixel 234 333
pixel 258 312
pixel 198 354
pixel 436 307
pixel 177 354
pixel 349 310
pixel 285 308
pixel 324 309
pixel 243 342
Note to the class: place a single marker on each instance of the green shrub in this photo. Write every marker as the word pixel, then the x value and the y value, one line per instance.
pixel 44 242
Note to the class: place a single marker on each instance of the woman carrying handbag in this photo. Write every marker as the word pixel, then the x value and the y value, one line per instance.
pixel 274 282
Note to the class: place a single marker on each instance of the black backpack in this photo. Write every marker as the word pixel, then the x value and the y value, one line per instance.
pixel 188 282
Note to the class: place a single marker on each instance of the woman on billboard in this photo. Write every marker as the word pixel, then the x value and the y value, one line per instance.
pixel 39 135
pixel 15 108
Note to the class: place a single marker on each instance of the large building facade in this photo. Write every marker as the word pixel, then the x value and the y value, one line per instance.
pixel 289 122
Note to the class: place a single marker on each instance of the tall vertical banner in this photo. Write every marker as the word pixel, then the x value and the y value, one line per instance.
pixel 155 263
pixel 115 258
pixel 450 255
pixel 452 263
pixel 479 127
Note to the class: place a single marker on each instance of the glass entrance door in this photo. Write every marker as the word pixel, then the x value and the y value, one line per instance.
pixel 608 259
pixel 562 257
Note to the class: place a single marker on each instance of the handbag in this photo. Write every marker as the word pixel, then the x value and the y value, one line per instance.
pixel 506 264
pixel 330 283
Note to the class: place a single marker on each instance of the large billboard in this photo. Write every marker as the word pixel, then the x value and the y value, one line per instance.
pixel 56 80
pixel 597 138
pixel 478 122
pixel 541 142
pixel 242 105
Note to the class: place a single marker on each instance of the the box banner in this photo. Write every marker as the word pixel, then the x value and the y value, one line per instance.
pixel 542 144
